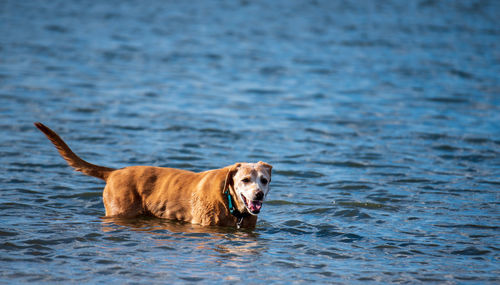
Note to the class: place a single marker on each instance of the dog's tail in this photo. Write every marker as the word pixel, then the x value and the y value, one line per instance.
pixel 71 158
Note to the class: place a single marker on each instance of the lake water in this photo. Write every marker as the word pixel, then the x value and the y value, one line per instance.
pixel 381 119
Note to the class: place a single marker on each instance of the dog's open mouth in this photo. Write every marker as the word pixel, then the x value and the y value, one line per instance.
pixel 253 206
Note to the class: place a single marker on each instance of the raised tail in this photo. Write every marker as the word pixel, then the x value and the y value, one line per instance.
pixel 71 158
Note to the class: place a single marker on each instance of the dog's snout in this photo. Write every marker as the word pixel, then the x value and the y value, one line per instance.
pixel 259 195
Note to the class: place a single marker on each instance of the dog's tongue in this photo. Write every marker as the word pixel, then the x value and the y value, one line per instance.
pixel 254 206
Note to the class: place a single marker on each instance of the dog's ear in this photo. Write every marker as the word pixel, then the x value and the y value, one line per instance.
pixel 231 171
pixel 267 166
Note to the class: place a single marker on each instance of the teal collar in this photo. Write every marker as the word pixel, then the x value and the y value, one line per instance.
pixel 235 212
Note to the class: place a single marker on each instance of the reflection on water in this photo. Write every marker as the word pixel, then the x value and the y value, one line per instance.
pixel 381 120
pixel 225 241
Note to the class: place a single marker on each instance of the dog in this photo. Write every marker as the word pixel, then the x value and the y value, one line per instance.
pixel 229 196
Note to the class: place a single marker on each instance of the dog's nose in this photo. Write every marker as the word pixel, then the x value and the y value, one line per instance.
pixel 259 195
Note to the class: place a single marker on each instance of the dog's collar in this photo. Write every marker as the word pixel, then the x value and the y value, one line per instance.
pixel 232 209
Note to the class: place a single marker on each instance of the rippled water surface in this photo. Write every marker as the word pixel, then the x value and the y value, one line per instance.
pixel 381 119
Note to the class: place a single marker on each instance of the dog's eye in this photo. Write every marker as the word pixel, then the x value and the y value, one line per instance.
pixel 245 180
pixel 264 180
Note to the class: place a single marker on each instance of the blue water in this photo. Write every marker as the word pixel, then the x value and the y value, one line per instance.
pixel 381 119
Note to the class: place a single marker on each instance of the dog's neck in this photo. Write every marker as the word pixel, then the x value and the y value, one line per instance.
pixel 233 210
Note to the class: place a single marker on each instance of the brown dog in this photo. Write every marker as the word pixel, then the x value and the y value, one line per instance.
pixel 230 196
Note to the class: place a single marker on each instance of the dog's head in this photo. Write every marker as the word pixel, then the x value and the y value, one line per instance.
pixel 249 183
